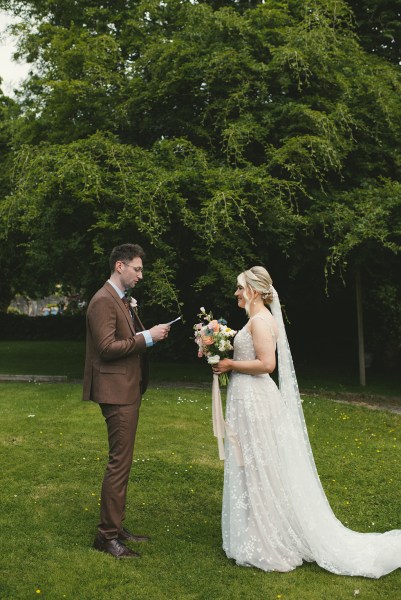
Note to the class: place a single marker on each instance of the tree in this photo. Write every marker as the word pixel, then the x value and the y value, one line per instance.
pixel 9 263
pixel 365 230
pixel 217 134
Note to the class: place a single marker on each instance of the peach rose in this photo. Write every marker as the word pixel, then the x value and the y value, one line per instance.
pixel 213 325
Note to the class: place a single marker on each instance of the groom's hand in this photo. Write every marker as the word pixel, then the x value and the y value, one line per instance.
pixel 159 332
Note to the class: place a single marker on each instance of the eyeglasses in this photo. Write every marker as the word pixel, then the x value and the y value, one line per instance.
pixel 136 269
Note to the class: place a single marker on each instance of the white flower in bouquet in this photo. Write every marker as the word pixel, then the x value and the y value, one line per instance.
pixel 224 345
pixel 214 359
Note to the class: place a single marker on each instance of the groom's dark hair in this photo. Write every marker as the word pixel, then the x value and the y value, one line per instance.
pixel 125 253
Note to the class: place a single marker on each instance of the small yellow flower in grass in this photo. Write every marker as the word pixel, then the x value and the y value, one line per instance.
pixel 38 591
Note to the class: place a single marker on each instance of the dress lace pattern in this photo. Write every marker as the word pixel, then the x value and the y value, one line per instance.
pixel 275 513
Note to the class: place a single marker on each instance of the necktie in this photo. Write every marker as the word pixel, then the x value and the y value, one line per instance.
pixel 133 314
pixel 127 305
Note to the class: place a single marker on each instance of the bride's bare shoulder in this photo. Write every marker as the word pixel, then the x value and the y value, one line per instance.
pixel 262 320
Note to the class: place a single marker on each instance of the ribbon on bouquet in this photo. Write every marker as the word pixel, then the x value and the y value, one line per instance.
pixel 222 429
pixel 217 415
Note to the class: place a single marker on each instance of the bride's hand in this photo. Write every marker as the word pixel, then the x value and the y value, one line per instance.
pixel 222 366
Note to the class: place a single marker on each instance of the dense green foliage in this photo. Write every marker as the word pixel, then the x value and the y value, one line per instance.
pixel 217 134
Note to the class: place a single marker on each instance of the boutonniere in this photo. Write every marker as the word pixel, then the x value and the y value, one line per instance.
pixel 132 301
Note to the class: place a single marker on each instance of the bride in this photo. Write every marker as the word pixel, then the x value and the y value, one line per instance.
pixel 275 513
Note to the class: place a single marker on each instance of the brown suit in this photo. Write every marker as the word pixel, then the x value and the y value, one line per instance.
pixel 116 371
pixel 116 376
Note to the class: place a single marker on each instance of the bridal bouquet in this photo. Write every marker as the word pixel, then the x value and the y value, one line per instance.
pixel 213 338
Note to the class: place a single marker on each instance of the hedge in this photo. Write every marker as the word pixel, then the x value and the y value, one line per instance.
pixel 22 327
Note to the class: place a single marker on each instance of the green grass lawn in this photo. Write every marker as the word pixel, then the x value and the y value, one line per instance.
pixel 54 451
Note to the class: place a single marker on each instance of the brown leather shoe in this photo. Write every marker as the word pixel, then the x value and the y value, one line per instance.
pixel 114 547
pixel 127 536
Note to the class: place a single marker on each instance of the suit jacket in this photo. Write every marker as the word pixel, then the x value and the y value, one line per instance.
pixel 116 367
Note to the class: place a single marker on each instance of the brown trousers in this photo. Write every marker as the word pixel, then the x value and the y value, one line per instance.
pixel 122 422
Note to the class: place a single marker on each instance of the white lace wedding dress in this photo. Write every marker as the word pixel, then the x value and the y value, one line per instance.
pixel 275 513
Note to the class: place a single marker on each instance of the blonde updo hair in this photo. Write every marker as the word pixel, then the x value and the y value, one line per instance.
pixel 256 281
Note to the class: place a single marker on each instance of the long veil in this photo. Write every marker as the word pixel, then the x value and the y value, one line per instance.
pixel 288 383
pixel 322 536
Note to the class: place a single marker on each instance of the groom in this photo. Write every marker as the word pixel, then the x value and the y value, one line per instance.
pixel 116 376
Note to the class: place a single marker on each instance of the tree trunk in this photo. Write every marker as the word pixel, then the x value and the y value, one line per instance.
pixel 361 343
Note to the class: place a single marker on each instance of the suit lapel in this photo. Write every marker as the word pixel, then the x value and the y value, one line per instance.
pixel 137 320
pixel 109 288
